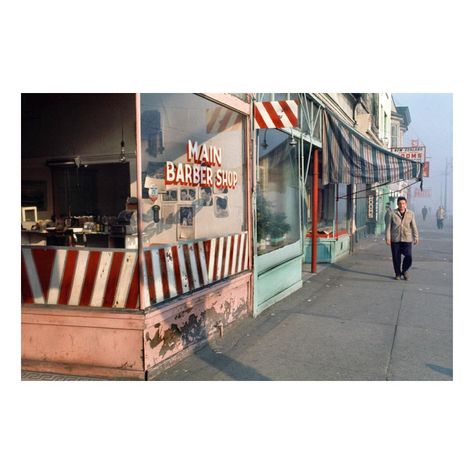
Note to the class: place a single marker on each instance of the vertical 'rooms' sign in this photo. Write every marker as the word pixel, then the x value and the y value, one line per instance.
pixel 203 167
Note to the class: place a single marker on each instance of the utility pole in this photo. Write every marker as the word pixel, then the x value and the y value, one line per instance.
pixel 446 185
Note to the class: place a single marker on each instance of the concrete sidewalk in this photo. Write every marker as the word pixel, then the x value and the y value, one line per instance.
pixel 352 321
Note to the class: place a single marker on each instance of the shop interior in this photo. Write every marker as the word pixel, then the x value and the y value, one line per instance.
pixel 78 170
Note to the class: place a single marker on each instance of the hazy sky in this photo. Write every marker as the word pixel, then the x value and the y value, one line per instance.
pixel 431 123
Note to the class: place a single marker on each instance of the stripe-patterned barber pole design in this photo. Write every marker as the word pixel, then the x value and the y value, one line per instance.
pixel 109 278
pixel 276 114
pixel 179 269
pixel 93 278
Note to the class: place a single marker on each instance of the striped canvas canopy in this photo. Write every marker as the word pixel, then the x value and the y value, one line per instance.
pixel 350 158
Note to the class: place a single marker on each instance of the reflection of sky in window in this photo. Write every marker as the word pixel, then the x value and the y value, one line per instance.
pixel 279 152
pixel 186 117
pixel 270 139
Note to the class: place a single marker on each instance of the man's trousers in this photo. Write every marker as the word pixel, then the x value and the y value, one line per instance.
pixel 399 249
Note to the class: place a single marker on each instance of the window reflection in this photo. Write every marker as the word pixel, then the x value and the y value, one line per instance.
pixel 277 196
pixel 193 169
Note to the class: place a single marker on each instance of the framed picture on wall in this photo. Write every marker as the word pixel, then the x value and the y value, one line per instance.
pixel 221 209
pixel 187 194
pixel 34 193
pixel 170 196
pixel 154 176
pixel 186 216
pixel 186 220
pixel 206 197
pixel 168 215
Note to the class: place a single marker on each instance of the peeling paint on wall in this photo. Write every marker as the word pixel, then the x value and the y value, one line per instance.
pixel 192 324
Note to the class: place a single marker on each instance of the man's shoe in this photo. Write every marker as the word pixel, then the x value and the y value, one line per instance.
pixel 397 277
pixel 405 275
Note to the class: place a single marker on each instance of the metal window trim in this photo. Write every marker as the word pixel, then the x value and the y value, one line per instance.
pixel 279 264
pixel 271 260
pixel 229 101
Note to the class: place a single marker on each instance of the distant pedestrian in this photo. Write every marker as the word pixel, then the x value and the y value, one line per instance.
pixel 424 212
pixel 400 233
pixel 440 215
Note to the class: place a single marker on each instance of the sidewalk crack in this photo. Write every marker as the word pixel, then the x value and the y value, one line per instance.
pixel 389 363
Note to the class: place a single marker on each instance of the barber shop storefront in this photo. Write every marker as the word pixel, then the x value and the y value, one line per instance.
pixel 134 228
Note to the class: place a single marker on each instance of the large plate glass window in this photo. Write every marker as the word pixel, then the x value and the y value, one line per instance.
pixel 193 169
pixel 278 219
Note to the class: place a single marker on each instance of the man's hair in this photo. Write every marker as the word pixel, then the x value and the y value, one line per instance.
pixel 401 198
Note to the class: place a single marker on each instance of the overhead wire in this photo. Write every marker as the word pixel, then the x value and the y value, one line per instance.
pixel 377 186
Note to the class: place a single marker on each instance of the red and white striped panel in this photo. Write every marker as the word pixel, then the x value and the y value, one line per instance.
pixel 221 119
pixel 93 278
pixel 276 114
pixel 176 270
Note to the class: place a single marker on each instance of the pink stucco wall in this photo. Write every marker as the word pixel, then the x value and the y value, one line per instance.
pixel 83 342
pixel 170 330
pixel 127 344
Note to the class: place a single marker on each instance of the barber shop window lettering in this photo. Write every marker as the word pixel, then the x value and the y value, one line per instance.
pixel 202 168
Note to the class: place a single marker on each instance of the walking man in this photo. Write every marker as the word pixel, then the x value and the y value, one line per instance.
pixel 424 212
pixel 400 233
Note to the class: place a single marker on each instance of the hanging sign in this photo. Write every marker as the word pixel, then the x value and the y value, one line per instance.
pixel 276 114
pixel 417 153
pixel 203 167
pixel 371 206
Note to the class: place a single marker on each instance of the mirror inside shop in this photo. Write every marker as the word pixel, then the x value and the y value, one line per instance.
pixel 78 170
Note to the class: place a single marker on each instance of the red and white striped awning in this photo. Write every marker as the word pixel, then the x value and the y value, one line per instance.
pixel 276 114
